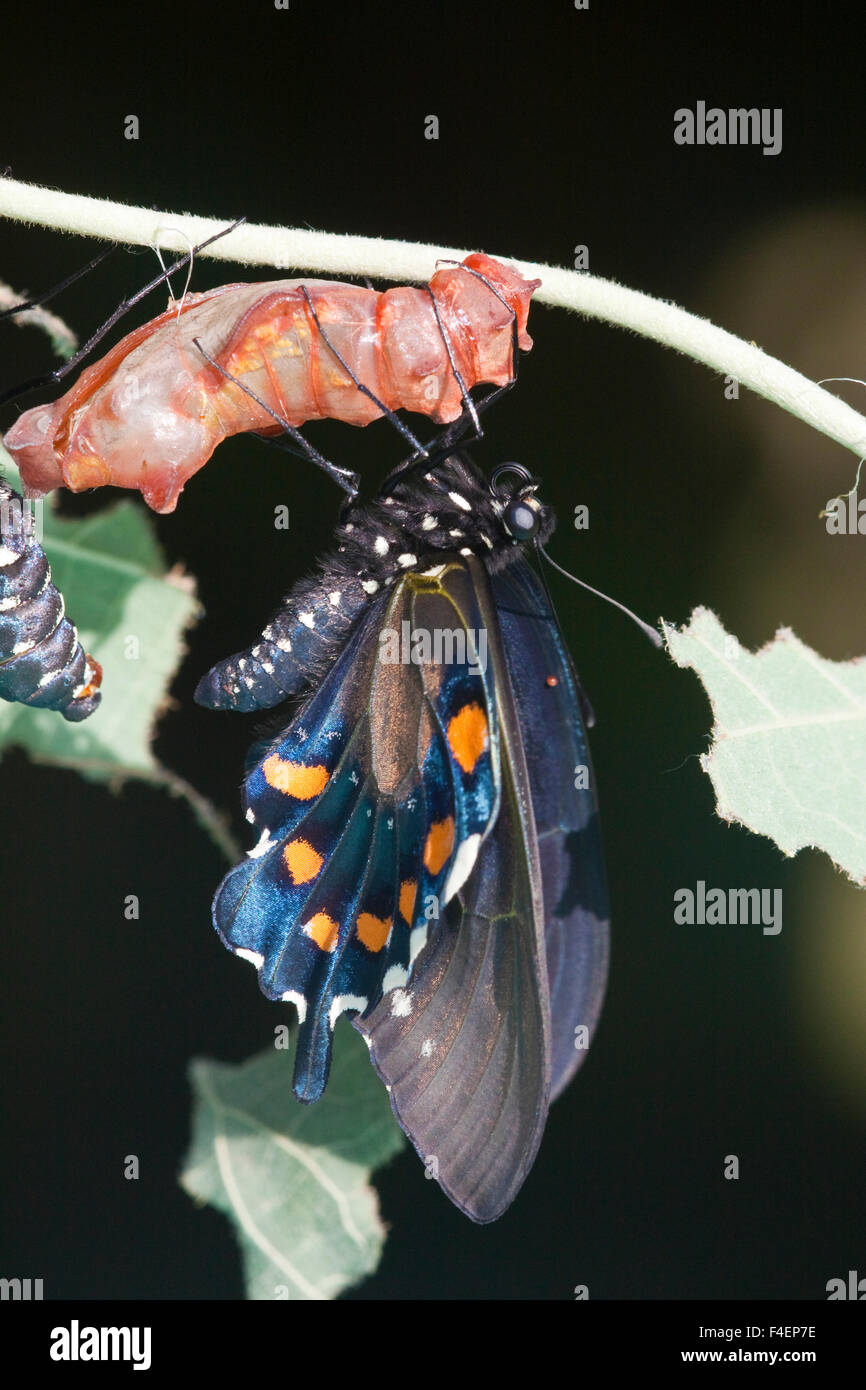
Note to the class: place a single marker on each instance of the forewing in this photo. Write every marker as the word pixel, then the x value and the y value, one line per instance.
pixel 565 806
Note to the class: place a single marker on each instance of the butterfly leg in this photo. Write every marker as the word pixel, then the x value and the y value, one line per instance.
pixel 45 298
pixel 359 385
pixel 457 431
pixel 343 477
pixel 53 378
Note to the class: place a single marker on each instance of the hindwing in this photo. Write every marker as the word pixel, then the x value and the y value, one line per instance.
pixel 371 806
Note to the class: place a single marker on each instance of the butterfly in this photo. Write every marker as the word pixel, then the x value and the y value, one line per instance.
pixel 429 858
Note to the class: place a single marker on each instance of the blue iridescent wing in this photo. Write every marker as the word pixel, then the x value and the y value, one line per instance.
pixel 42 662
pixel 371 806
pixel 486 1036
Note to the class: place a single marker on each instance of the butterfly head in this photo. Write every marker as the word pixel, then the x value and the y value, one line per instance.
pixel 524 518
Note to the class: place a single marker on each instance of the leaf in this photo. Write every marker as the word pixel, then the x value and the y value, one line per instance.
pixel 131 615
pixel 292 1178
pixel 788 758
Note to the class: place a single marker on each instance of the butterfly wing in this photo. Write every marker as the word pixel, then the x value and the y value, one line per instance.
pixel 372 806
pixel 486 1036
pixel 565 807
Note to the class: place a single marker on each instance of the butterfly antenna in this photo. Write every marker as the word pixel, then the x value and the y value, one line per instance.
pixel 651 632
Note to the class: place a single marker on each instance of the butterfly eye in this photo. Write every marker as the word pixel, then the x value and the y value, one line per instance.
pixel 521 518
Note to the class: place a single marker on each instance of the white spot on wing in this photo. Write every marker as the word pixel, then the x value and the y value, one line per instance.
pixel 401 1004
pixel 460 501
pixel 7 556
pixel 262 847
pixel 407 560
pixel 380 545
pixel 369 585
pixel 429 523
pixel 395 976
pixel 291 996
pixel 417 942
pixel 464 863
pixel 427 1047
pixel 334 598
pixel 342 1002
pixel 284 645
pixel 308 619
pixel 252 956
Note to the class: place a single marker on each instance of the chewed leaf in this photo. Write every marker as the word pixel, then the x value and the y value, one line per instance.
pixel 293 1179
pixel 788 757
pixel 131 615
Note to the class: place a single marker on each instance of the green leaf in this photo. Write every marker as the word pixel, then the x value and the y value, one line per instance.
pixel 788 757
pixel 130 615
pixel 294 1179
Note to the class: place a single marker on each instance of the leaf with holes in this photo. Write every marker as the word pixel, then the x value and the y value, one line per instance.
pixel 788 757
pixel 294 1179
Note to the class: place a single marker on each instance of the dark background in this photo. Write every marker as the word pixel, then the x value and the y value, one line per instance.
pixel 556 129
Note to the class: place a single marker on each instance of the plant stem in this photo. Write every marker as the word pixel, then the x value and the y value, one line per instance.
pixel 286 248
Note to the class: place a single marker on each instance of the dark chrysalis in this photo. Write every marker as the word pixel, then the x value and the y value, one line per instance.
pixel 42 662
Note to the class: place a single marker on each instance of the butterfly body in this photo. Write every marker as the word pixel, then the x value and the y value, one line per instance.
pixel 426 863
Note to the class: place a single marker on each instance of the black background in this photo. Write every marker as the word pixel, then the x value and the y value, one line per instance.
pixel 556 129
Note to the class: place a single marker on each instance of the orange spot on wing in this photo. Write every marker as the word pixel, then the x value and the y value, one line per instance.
pixel 323 930
pixel 295 779
pixel 373 931
pixel 302 861
pixel 408 893
pixel 467 736
pixel 440 843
